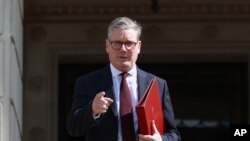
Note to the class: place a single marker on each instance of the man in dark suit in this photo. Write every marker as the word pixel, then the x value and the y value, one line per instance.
pixel 99 101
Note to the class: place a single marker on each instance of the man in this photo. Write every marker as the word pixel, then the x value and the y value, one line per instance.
pixel 101 96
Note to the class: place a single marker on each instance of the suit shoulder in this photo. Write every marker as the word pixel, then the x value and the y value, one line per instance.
pixel 146 73
pixel 151 75
pixel 94 75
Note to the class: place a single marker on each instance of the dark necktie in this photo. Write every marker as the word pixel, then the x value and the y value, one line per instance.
pixel 126 113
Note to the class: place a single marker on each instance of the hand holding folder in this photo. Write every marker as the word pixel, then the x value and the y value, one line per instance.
pixel 148 109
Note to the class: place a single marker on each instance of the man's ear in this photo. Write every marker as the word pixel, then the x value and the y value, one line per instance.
pixel 106 45
pixel 139 46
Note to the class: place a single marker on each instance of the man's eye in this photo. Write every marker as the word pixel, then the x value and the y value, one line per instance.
pixel 118 43
pixel 129 43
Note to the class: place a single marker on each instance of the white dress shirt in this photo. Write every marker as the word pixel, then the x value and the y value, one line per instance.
pixel 132 83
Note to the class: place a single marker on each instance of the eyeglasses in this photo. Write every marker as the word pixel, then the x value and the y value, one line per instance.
pixel 118 44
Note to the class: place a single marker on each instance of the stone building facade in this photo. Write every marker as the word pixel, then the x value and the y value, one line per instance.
pixel 38 37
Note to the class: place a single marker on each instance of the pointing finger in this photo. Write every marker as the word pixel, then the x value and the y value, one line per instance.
pixel 109 100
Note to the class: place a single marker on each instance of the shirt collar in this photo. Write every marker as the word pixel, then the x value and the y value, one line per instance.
pixel 115 72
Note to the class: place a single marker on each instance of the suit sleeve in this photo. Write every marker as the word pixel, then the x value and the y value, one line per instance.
pixel 171 132
pixel 80 118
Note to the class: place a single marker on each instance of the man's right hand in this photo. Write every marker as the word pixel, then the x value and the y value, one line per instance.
pixel 100 104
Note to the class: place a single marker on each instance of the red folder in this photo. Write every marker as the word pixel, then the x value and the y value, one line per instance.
pixel 149 108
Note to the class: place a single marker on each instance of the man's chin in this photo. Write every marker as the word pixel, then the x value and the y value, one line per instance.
pixel 125 67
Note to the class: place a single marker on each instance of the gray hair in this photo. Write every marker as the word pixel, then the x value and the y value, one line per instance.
pixel 124 23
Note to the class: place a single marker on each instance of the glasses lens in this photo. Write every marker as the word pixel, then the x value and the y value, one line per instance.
pixel 118 44
pixel 129 44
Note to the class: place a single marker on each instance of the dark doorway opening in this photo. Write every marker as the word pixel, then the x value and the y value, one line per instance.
pixel 201 93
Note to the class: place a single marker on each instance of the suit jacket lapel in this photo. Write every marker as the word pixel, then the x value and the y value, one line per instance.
pixel 107 83
pixel 143 81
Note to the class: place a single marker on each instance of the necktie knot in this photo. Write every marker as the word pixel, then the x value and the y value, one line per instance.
pixel 124 75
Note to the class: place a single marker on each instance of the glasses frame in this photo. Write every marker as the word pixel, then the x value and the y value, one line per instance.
pixel 123 43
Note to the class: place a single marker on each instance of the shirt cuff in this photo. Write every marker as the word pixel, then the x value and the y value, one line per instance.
pixel 97 116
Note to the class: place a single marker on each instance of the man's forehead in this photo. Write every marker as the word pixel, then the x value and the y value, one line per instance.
pixel 123 33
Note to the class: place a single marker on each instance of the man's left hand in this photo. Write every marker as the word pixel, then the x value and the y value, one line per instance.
pixel 155 137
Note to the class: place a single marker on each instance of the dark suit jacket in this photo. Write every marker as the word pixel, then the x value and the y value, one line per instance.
pixel 80 120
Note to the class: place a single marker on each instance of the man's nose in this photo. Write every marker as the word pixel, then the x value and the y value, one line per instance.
pixel 123 47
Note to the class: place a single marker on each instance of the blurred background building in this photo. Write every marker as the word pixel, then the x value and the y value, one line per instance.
pixel 202 48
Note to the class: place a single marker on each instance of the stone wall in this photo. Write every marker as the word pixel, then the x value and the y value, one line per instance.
pixel 11 69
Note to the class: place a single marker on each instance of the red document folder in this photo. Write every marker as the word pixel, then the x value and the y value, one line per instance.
pixel 149 108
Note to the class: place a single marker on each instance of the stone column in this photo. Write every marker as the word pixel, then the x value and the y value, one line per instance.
pixel 11 69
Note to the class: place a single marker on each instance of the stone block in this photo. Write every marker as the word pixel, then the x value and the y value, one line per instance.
pixel 1 17
pixel 16 30
pixel 21 5
pixel 15 93
pixel 1 122
pixel 1 69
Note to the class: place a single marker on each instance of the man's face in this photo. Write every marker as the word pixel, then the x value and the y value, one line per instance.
pixel 123 59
